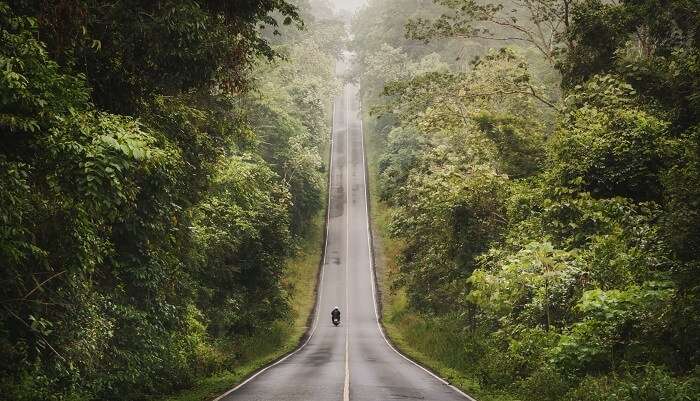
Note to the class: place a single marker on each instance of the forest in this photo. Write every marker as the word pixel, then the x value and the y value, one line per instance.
pixel 535 170
pixel 161 162
pixel 537 175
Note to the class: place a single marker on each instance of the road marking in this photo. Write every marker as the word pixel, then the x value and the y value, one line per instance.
pixel 320 281
pixel 346 387
pixel 372 275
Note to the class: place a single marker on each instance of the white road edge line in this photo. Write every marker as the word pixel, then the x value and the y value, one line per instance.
pixel 320 281
pixel 372 275
pixel 346 386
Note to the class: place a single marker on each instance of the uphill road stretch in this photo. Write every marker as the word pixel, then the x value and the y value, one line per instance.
pixel 352 361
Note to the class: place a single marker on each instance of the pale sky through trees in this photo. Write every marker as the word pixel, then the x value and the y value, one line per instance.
pixel 349 5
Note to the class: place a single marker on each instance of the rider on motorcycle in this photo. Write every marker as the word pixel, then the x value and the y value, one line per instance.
pixel 335 314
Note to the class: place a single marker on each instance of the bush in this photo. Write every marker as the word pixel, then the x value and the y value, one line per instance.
pixel 648 383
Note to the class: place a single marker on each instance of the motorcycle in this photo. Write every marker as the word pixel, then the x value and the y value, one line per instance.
pixel 336 321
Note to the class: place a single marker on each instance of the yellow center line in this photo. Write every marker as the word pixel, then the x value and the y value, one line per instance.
pixel 346 388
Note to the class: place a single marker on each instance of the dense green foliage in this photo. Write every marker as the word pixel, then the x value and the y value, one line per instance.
pixel 159 162
pixel 546 193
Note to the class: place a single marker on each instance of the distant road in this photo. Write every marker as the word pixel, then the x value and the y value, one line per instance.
pixel 352 361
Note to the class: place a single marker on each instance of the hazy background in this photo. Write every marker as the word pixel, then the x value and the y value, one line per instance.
pixel 347 5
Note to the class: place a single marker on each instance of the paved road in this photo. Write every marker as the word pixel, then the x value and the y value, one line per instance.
pixel 352 361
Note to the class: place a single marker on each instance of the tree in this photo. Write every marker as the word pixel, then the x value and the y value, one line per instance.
pixel 543 24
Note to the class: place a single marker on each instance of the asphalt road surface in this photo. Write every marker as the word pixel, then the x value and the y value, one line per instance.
pixel 352 361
